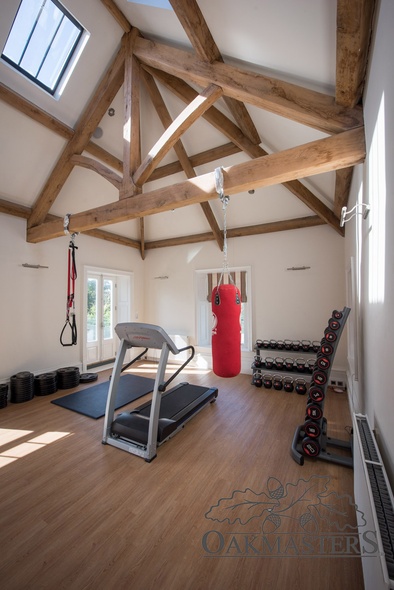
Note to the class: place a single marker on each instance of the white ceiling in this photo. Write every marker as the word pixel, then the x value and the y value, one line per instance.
pixel 287 39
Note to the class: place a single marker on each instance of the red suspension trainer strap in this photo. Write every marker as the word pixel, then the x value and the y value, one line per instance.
pixel 71 278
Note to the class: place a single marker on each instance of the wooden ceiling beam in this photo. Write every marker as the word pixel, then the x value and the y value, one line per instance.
pixel 118 15
pixel 211 155
pixel 354 32
pixel 301 222
pixel 131 117
pixel 196 28
pixel 180 151
pixel 240 232
pixel 213 115
pixel 171 135
pixel 89 120
pixel 96 166
pixel 23 212
pixel 40 116
pixel 227 127
pixel 294 102
pixel 324 155
pixel 343 180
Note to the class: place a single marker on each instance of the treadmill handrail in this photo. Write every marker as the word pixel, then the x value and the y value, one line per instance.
pixel 163 386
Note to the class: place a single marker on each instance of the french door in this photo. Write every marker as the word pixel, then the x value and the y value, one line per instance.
pixel 101 318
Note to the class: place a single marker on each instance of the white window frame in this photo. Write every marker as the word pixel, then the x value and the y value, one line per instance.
pixel 204 308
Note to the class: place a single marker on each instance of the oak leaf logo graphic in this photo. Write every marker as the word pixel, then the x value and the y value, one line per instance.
pixel 307 505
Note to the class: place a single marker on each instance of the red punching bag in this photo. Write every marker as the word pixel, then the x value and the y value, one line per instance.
pixel 226 331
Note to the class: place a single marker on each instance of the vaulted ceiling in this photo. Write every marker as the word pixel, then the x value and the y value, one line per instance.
pixel 270 93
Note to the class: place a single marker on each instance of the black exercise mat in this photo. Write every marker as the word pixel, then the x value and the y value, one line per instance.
pixel 92 401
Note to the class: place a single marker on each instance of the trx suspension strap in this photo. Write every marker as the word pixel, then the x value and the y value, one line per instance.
pixel 71 278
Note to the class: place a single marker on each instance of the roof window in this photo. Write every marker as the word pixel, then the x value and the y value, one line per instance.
pixel 44 43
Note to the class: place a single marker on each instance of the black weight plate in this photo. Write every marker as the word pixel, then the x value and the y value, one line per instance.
pixel 319 377
pixel 312 429
pixel 334 324
pixel 314 412
pixel 316 394
pixel 89 377
pixel 337 315
pixel 326 349
pixel 323 363
pixel 330 336
pixel 310 447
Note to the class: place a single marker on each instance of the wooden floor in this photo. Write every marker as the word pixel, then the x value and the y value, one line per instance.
pixel 76 514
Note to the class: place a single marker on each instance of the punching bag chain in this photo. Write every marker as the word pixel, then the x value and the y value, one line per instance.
pixel 225 200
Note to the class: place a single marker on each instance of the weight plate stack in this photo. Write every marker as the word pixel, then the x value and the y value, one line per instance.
pixel 3 395
pixel 45 384
pixel 22 387
pixel 68 377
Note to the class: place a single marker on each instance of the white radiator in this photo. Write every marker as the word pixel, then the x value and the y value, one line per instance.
pixel 180 342
pixel 375 503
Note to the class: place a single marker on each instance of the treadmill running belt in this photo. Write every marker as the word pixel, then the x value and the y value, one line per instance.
pixel 175 400
pixel 177 406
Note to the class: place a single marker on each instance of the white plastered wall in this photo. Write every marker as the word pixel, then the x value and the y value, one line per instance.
pixel 373 247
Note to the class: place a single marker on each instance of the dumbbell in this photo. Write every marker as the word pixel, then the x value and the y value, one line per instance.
pixel 300 386
pixel 315 345
pixel 258 361
pixel 310 365
pixel 288 384
pixel 326 349
pixel 316 393
pixel 337 315
pixel 257 379
pixel 277 382
pixel 310 447
pixel 312 429
pixel 319 377
pixel 289 364
pixel 329 335
pixel 323 362
pixel 269 362
pixel 314 411
pixel 334 324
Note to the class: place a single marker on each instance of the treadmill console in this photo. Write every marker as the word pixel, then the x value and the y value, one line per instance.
pixel 145 336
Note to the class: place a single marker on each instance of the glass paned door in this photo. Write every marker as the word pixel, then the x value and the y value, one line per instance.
pixel 100 321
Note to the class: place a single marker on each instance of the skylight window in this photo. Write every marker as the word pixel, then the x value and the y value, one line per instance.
pixel 43 43
pixel 156 3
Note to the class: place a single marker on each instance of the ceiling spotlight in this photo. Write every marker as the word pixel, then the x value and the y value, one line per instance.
pixel 111 112
pixel 251 192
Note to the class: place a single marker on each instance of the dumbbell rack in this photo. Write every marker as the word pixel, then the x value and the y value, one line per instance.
pixel 311 438
pixel 300 348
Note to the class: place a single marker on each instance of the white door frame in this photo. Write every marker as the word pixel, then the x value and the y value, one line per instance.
pixel 126 314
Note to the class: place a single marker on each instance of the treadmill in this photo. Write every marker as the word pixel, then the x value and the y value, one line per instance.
pixel 145 428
